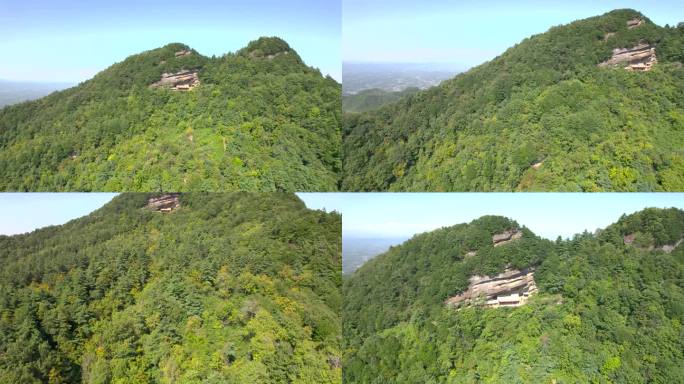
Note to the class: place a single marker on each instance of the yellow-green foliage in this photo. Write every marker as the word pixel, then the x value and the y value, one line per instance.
pixel 253 123
pixel 544 101
pixel 127 295
pixel 605 312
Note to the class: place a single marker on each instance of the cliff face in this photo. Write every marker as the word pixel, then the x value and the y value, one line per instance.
pixel 506 237
pixel 183 52
pixel 164 203
pixel 638 58
pixel 633 23
pixel 183 80
pixel 511 288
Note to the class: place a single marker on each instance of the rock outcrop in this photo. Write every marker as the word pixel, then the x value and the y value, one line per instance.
pixel 258 54
pixel 512 288
pixel 667 248
pixel 506 237
pixel 633 23
pixel 183 52
pixel 164 203
pixel 273 56
pixel 629 240
pixel 638 58
pixel 334 361
pixel 183 80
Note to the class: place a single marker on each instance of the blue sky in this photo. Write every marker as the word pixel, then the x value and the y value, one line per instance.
pixel 549 215
pixel 467 32
pixel 24 212
pixel 71 40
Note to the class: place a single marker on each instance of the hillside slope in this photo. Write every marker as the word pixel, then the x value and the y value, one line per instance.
pixel 171 119
pixel 196 288
pixel 545 115
pixel 596 308
pixel 371 99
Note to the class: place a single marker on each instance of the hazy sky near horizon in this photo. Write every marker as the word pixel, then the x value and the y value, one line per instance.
pixel 71 40
pixel 24 212
pixel 397 215
pixel 467 33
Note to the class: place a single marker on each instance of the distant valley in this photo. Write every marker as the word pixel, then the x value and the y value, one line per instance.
pixel 13 92
pixel 356 251
pixel 394 77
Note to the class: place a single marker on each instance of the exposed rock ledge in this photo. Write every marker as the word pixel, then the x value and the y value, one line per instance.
pixel 667 248
pixel 638 58
pixel 183 80
pixel 259 54
pixel 512 288
pixel 506 237
pixel 183 52
pixel 634 23
pixel 164 203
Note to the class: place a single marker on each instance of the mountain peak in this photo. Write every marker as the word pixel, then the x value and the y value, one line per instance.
pixel 267 47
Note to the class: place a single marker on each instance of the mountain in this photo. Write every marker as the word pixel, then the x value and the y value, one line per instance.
pixel 12 92
pixel 175 288
pixel 370 99
pixel 595 105
pixel 490 301
pixel 171 119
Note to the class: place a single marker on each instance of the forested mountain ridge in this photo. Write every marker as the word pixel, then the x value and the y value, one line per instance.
pixel 603 308
pixel 171 119
pixel 544 115
pixel 370 99
pixel 191 288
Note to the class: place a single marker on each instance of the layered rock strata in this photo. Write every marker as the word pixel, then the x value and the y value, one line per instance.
pixel 638 58
pixel 183 80
pixel 511 288
pixel 164 203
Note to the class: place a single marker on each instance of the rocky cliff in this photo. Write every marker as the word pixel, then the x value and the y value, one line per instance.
pixel 183 80
pixel 164 203
pixel 510 288
pixel 506 237
pixel 638 58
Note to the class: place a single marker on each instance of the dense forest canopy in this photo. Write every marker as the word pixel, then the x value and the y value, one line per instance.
pixel 370 99
pixel 608 309
pixel 258 119
pixel 224 288
pixel 542 116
